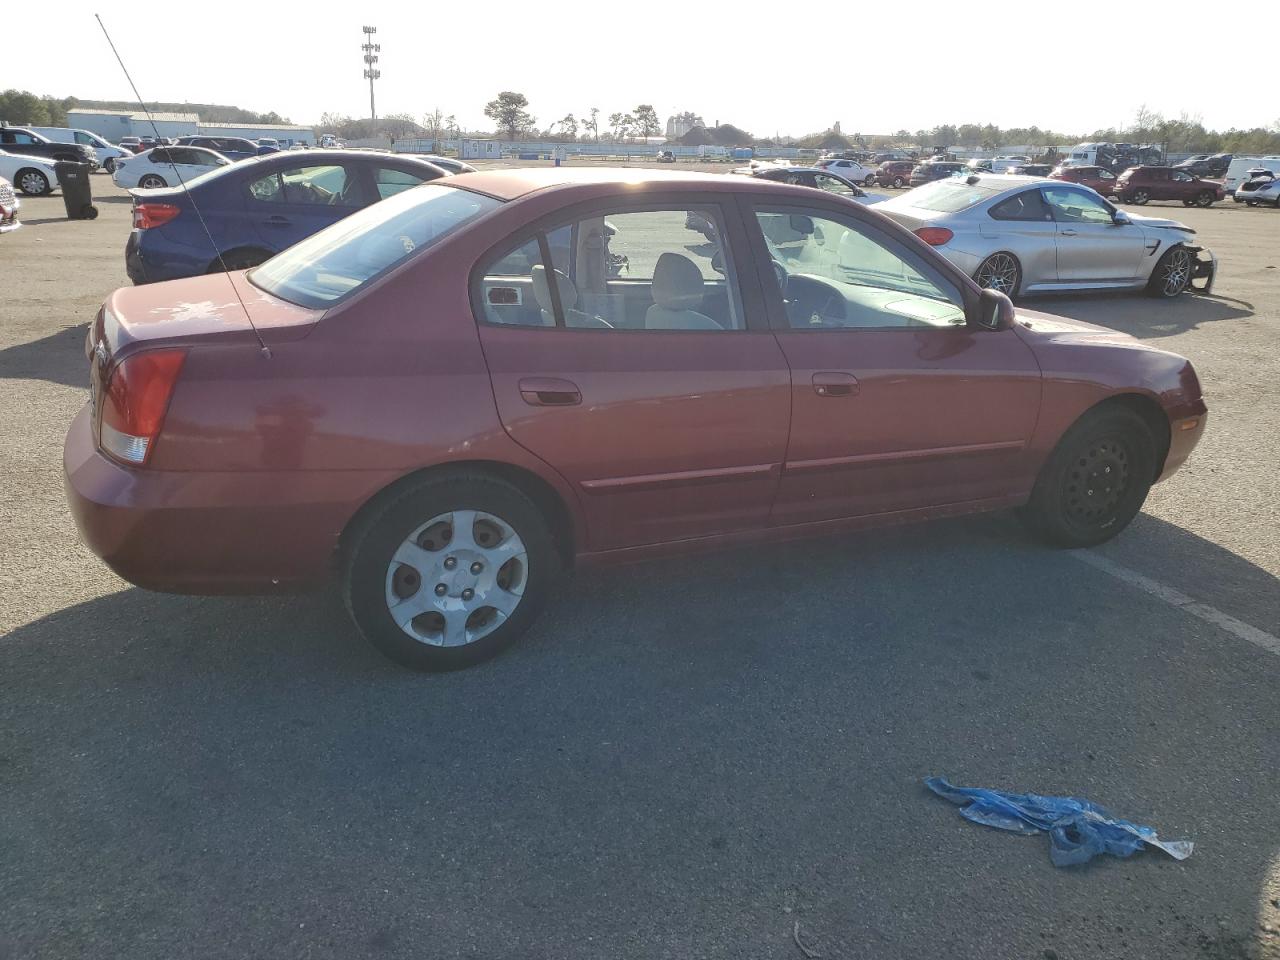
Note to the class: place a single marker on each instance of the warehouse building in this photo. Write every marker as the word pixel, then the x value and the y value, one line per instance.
pixel 115 124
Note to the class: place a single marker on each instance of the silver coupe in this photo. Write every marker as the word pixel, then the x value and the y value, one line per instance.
pixel 1030 235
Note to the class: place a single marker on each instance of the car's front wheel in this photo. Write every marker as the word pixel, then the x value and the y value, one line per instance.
pixel 1204 198
pixel 152 181
pixel 870 181
pixel 109 165
pixel 897 183
pixel 33 183
pixel 1172 274
pixel 1095 481
pixel 1000 271
pixel 450 572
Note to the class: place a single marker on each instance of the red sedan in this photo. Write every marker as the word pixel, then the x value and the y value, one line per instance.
pixel 1099 179
pixel 449 397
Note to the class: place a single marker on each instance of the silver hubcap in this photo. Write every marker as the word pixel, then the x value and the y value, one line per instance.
pixel 456 578
pixel 999 272
pixel 34 183
pixel 151 182
pixel 1140 197
pixel 1177 272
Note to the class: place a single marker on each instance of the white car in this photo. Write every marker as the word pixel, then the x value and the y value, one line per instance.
pixel 166 167
pixel 108 153
pixel 1262 187
pixel 8 207
pixel 33 176
pixel 849 169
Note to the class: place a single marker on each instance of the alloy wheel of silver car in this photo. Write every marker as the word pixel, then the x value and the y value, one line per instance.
pixel 456 578
pixel 998 272
pixel 1174 272
pixel 151 182
pixel 33 183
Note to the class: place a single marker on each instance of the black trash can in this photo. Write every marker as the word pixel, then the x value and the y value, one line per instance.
pixel 73 178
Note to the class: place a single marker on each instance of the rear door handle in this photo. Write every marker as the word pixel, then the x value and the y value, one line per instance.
pixel 828 383
pixel 1067 233
pixel 549 392
pixel 278 221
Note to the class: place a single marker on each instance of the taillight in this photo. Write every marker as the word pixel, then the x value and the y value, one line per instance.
pixel 935 236
pixel 148 215
pixel 135 401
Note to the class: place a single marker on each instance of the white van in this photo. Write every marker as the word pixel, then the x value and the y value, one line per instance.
pixel 1240 165
pixel 107 153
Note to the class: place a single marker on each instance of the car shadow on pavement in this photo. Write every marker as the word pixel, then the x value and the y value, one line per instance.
pixel 58 358
pixel 1141 316
pixel 680 759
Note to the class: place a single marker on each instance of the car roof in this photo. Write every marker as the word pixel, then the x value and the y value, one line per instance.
pixel 510 184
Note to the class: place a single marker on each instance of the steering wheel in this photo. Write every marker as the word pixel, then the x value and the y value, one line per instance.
pixel 781 273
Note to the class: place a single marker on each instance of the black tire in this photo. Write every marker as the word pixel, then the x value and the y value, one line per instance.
pixel 897 182
pixel 1188 203
pixel 870 181
pixel 152 181
pixel 32 182
pixel 242 259
pixel 1003 265
pixel 376 537
pixel 1204 198
pixel 1139 197
pixel 109 165
pixel 1077 500
pixel 1172 275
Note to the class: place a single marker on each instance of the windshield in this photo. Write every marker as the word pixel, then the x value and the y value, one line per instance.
pixel 951 196
pixel 339 260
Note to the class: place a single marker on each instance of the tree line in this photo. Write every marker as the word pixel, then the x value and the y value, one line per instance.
pixel 22 106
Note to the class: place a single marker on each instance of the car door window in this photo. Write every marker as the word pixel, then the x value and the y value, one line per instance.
pixel 390 181
pixel 1076 206
pixel 1182 176
pixel 835 185
pixel 665 269
pixel 161 155
pixel 837 274
pixel 1028 205
pixel 320 185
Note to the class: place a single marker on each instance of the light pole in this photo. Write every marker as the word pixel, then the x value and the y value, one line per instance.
pixel 371 73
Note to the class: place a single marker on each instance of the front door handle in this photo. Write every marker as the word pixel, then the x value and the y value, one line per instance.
pixel 1067 233
pixel 549 392
pixel 835 384
pixel 278 221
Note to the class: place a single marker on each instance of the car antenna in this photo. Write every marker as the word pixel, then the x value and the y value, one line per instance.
pixel 266 351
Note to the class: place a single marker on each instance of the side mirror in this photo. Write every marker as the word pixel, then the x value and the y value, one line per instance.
pixel 1120 218
pixel 801 224
pixel 995 311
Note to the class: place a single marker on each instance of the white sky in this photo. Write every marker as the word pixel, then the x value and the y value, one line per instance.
pixel 790 68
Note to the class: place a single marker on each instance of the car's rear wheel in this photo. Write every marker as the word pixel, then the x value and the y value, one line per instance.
pixel 33 183
pixel 1095 481
pixel 897 182
pixel 1172 274
pixel 1204 198
pixel 450 572
pixel 1139 197
pixel 870 181
pixel 1000 271
pixel 152 181
pixel 109 165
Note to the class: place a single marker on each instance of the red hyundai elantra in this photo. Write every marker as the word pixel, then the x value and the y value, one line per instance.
pixel 447 398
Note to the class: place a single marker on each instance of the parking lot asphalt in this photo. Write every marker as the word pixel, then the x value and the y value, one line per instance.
pixel 698 758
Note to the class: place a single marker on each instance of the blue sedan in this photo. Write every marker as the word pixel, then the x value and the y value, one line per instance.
pixel 256 208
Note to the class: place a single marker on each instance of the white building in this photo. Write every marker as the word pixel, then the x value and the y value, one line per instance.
pixel 678 127
pixel 115 124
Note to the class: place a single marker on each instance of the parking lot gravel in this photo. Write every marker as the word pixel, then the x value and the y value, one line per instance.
pixel 698 758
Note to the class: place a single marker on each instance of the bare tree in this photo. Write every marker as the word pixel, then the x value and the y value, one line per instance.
pixel 593 124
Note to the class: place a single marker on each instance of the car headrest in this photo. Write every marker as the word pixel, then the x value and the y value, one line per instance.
pixel 677 282
pixel 542 289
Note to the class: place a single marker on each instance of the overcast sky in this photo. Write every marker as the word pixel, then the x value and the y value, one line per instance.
pixel 795 69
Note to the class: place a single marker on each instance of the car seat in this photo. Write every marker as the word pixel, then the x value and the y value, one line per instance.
pixel 568 298
pixel 677 289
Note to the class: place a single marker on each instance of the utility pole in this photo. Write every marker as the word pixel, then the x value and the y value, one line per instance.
pixel 371 73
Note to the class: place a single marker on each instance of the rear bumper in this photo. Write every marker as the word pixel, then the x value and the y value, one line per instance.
pixel 180 532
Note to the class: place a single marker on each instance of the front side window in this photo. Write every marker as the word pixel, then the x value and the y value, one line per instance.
pixel 1076 206
pixel 625 270
pixel 838 274
pixel 1182 176
pixel 345 257
pixel 837 186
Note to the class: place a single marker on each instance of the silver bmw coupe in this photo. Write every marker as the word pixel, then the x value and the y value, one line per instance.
pixel 1030 235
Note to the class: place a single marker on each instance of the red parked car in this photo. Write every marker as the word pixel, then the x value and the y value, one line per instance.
pixel 1098 179
pixel 895 173
pixel 450 396
pixel 1140 184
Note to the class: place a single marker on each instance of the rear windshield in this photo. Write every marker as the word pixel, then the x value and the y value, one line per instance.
pixel 950 196
pixel 336 262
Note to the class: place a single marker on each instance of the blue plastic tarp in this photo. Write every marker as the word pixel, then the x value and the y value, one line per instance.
pixel 1078 830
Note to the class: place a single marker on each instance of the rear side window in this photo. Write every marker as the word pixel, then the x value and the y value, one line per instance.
pixel 390 182
pixel 1026 206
